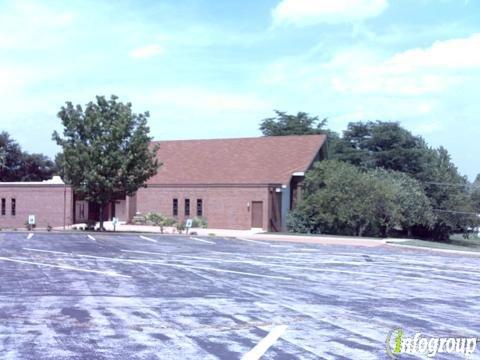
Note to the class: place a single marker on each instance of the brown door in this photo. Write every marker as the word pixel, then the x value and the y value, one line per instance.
pixel 81 211
pixel 257 214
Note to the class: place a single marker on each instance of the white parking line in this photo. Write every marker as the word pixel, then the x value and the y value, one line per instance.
pixel 47 251
pixel 148 239
pixel 157 262
pixel 201 240
pixel 64 267
pixel 253 241
pixel 223 270
pixel 91 237
pixel 30 236
pixel 262 347
pixel 143 252
pixel 250 262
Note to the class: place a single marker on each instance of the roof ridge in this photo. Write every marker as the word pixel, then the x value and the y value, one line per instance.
pixel 240 138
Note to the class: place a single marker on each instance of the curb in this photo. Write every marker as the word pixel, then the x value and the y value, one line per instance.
pixel 448 251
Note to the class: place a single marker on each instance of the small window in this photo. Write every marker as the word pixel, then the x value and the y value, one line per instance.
pixel 4 207
pixel 199 207
pixel 187 207
pixel 175 207
pixel 14 207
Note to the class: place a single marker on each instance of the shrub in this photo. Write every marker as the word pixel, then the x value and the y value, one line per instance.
pixel 180 227
pixel 160 220
pixel 343 199
pixel 199 222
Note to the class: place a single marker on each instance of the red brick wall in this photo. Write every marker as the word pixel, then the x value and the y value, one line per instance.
pixel 223 207
pixel 46 202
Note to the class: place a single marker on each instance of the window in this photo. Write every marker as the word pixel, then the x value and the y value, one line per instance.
pixel 4 207
pixel 175 207
pixel 187 207
pixel 199 207
pixel 14 207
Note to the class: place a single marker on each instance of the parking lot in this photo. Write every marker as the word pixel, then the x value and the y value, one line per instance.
pixel 128 296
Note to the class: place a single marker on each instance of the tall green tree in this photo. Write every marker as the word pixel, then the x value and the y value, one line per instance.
pixel 300 124
pixel 380 144
pixel 36 167
pixel 17 165
pixel 475 194
pixel 106 149
pixel 283 124
pixel 12 158
pixel 448 192
pixel 386 145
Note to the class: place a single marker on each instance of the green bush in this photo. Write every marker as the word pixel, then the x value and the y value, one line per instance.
pixel 180 227
pixel 343 199
pixel 199 222
pixel 160 220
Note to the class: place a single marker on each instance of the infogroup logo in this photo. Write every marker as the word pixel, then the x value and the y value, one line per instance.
pixel 397 344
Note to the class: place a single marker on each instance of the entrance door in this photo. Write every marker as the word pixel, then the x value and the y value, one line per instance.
pixel 81 211
pixel 257 214
pixel 121 210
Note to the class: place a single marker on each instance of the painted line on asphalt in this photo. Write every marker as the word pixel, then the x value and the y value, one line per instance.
pixel 296 259
pixel 143 252
pixel 226 271
pixel 201 240
pixel 157 262
pixel 30 236
pixel 91 237
pixel 265 344
pixel 253 241
pixel 148 239
pixel 65 267
pixel 253 262
pixel 47 251
pixel 250 262
pixel 259 263
pixel 90 256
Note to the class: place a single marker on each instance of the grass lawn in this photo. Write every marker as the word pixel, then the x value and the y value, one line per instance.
pixel 456 242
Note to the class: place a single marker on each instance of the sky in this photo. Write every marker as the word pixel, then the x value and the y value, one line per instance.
pixel 216 68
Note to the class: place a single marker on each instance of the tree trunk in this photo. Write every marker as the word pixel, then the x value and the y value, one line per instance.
pixel 361 230
pixel 102 205
pixel 386 231
pixel 409 232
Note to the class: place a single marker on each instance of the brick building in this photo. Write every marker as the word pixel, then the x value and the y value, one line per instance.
pixel 50 201
pixel 232 183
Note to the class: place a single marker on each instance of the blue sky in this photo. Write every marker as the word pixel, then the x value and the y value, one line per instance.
pixel 207 69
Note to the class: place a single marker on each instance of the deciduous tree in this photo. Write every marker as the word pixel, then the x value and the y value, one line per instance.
pixel 106 149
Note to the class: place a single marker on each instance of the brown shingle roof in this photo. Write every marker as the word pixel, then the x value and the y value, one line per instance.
pixel 264 160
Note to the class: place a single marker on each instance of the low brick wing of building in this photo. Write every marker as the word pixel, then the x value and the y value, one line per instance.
pixel 50 202
pixel 232 183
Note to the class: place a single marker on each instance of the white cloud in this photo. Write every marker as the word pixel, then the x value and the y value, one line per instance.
pixel 309 12
pixel 454 54
pixel 28 25
pixel 147 52
pixel 414 72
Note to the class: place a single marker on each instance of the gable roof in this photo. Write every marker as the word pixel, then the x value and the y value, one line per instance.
pixel 263 160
